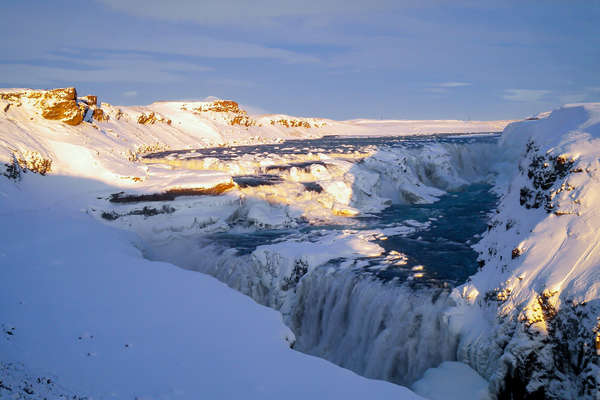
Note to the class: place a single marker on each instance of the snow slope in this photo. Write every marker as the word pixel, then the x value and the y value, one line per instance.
pixel 81 307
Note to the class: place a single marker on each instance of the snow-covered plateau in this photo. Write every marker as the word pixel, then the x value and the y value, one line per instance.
pixel 469 263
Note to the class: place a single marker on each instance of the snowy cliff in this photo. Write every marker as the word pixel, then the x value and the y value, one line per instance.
pixel 536 329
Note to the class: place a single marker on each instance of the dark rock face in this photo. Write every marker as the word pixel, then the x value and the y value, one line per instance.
pixel 146 212
pixel 551 350
pixel 564 364
pixel 547 175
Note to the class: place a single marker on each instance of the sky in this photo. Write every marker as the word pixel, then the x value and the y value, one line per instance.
pixel 340 59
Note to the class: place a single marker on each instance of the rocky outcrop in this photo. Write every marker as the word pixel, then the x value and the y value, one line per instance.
pixel 151 118
pixel 61 104
pixel 291 123
pixel 90 100
pixel 222 106
pixel 539 265
pixel 242 120
pixel 100 116
pixel 56 104
pixel 27 161
pixel 172 194
pixel 236 116
pixel 121 115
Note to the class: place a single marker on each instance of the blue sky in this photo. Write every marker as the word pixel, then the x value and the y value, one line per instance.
pixel 341 59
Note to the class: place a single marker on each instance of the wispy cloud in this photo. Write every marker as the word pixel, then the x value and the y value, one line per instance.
pixel 454 84
pixel 130 93
pixel 437 90
pixel 524 94
pixel 573 98
pixel 445 87
pixel 130 68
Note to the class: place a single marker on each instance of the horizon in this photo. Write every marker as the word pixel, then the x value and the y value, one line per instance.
pixel 462 60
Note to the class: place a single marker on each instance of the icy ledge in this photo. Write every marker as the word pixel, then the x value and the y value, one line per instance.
pixel 529 321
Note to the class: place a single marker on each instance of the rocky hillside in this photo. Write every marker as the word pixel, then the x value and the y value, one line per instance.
pixel 536 333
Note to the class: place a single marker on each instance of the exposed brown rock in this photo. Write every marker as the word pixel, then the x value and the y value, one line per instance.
pixel 57 104
pixel 61 104
pixel 90 100
pixel 66 111
pixel 291 123
pixel 240 117
pixel 100 116
pixel 171 194
pixel 222 106
pixel 242 120
pixel 13 97
pixel 152 118
pixel 120 114
pixel 62 93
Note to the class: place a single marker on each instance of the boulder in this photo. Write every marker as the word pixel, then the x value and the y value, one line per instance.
pixel 61 104
pixel 100 116
pixel 90 100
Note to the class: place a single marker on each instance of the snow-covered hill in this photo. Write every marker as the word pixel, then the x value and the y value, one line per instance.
pixel 60 132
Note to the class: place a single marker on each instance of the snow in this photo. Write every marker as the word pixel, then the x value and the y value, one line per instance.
pixel 90 313
pixel 452 381
pixel 365 127
pixel 537 296
pixel 542 260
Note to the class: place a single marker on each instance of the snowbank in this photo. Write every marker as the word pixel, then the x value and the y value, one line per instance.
pixel 86 311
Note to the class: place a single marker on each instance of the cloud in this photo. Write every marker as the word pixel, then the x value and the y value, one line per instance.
pixel 107 68
pixel 454 84
pixel 573 98
pixel 130 93
pixel 444 87
pixel 524 94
